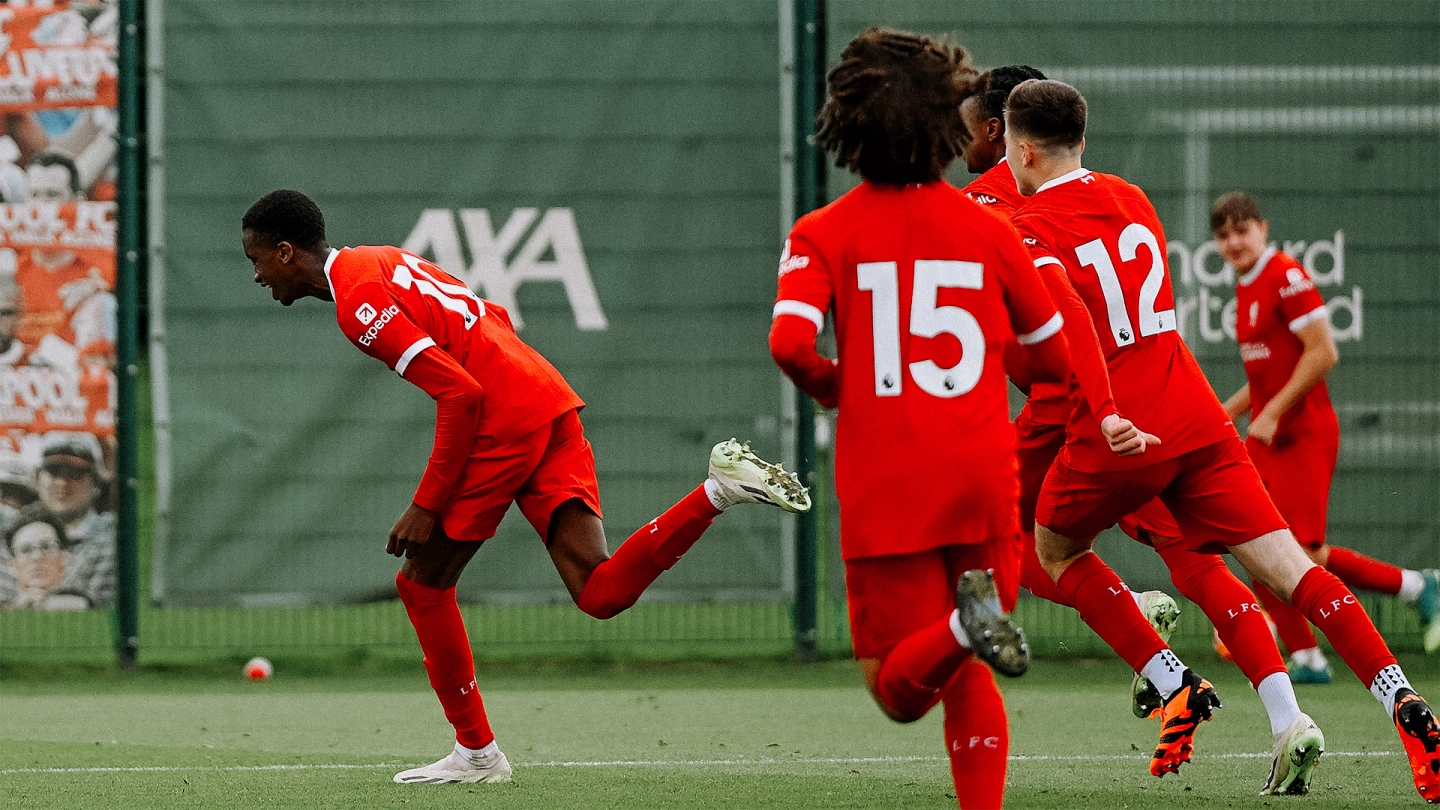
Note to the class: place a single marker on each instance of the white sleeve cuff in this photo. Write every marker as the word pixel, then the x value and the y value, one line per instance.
pixel 415 348
pixel 802 309
pixel 1044 260
pixel 1045 332
pixel 1308 318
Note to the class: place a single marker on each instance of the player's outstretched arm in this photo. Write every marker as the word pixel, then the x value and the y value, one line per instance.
pixel 1238 403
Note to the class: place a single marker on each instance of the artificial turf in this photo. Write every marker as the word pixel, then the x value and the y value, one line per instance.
pixel 682 735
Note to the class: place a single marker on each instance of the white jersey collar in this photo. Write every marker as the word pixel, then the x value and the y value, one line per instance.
pixel 330 260
pixel 1259 267
pixel 1063 179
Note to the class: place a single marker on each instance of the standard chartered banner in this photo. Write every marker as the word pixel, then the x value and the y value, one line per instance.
pixel 57 305
pixel 606 171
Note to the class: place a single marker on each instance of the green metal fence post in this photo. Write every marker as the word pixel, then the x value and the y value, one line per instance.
pixel 809 187
pixel 127 541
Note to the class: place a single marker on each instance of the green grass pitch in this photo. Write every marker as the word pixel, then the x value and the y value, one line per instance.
pixel 691 735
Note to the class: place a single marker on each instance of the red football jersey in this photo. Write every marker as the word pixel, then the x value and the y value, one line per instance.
pixel 1276 299
pixel 393 305
pixel 1049 402
pixel 996 190
pixel 927 288
pixel 1105 236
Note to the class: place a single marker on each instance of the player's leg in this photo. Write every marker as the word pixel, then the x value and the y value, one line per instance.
pixel 1204 579
pixel 426 585
pixel 1222 494
pixel 1074 506
pixel 977 736
pixel 561 500
pixel 1418 588
pixel 1036 446
pixel 1152 525
pixel 1307 661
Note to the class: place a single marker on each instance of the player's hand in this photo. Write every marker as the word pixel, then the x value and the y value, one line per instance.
pixel 1124 438
pixel 413 528
pixel 1263 428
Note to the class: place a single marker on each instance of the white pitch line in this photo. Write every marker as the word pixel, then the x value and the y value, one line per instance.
pixel 652 763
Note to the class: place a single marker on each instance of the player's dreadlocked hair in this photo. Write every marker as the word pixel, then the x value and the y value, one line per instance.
pixel 894 109
pixel 286 216
pixel 994 86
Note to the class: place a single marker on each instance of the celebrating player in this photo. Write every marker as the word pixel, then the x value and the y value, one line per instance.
pixel 1199 573
pixel 1040 427
pixel 1294 437
pixel 1100 236
pixel 507 430
pixel 926 290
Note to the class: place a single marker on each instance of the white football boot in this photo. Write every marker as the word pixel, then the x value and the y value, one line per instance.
pixel 461 766
pixel 1164 615
pixel 743 477
pixel 1297 749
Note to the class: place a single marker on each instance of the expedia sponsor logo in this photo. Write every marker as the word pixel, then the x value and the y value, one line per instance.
pixel 1250 352
pixel 1298 283
pixel 365 314
pixel 1030 241
pixel 788 262
pixel 984 199
pixel 374 330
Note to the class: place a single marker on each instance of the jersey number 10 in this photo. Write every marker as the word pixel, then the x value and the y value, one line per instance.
pixel 1094 254
pixel 927 320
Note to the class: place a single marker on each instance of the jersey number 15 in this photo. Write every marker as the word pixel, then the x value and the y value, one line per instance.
pixel 927 320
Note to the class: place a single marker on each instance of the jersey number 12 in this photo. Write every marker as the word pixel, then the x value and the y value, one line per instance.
pixel 882 280
pixel 1094 254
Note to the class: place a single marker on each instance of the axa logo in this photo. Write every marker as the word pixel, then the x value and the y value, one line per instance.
pixel 365 314
pixel 374 330
pixel 551 253
pixel 789 262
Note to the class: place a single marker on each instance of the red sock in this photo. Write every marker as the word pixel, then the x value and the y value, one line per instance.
pixel 1325 600
pixel 1290 624
pixel 1107 606
pixel 1366 573
pixel 448 661
pixel 1034 578
pixel 977 737
pixel 913 675
pixel 615 584
pixel 1205 580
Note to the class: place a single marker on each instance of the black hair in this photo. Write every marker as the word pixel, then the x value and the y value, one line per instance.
pixel 36 513
pixel 994 87
pixel 1235 206
pixel 893 114
pixel 60 159
pixel 286 216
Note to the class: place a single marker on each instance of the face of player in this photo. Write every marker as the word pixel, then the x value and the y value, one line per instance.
pixel 277 268
pixel 39 562
pixel 1027 178
pixel 981 153
pixel 49 183
pixel 1241 243
pixel 66 489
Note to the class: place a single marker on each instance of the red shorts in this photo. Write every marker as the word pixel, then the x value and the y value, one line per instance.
pixel 1298 476
pixel 1214 493
pixel 1036 446
pixel 1151 523
pixel 894 596
pixel 539 471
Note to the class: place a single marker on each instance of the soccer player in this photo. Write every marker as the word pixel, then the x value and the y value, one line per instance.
pixel 506 430
pixel 1294 438
pixel 1099 236
pixel 1040 427
pixel 1199 574
pixel 926 289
